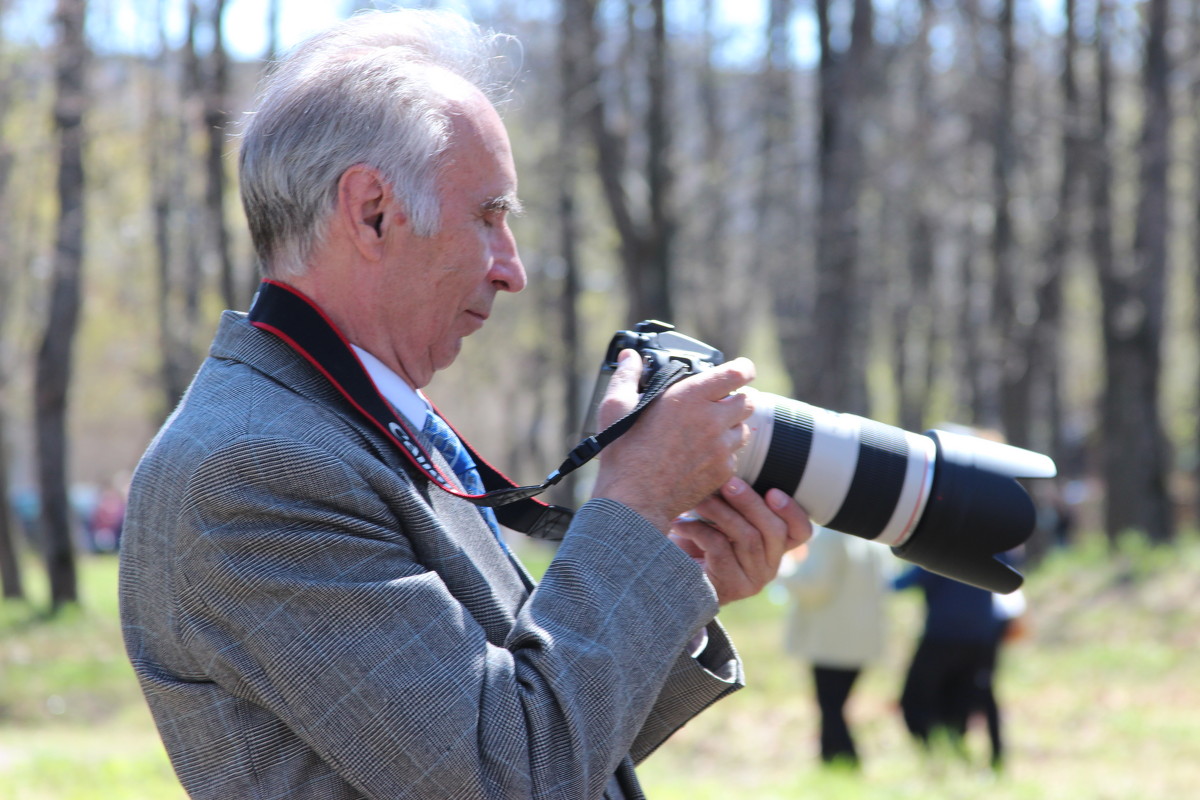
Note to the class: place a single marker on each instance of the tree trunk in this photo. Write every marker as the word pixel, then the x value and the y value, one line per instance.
pixel 188 198
pixel 1156 514
pixel 1132 291
pixel 572 55
pixel 774 254
pixel 1007 405
pixel 1101 240
pixel 216 120
pixel 54 355
pixel 645 236
pixel 913 297
pixel 168 176
pixel 837 351
pixel 721 287
pixel 11 585
pixel 1046 354
pixel 1195 217
pixel 975 358
pixel 656 281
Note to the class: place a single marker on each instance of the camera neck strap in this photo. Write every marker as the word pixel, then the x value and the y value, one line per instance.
pixel 300 323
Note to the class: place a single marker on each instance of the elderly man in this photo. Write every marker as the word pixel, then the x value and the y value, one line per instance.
pixel 312 608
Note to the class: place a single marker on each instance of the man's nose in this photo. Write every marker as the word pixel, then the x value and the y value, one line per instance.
pixel 508 273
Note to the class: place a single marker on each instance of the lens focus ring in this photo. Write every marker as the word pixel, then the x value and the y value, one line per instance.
pixel 787 456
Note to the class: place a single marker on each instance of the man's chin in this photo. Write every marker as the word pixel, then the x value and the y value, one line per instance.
pixel 448 355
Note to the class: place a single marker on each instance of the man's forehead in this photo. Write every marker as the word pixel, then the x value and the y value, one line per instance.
pixel 476 129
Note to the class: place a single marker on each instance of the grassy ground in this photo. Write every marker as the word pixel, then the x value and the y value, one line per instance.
pixel 1102 701
pixel 73 725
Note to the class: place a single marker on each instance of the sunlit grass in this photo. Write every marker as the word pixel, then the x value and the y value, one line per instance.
pixel 1102 700
pixel 73 725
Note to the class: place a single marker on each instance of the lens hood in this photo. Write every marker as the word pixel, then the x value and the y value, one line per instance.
pixel 976 510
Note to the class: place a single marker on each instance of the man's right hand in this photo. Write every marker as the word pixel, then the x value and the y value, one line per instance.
pixel 682 448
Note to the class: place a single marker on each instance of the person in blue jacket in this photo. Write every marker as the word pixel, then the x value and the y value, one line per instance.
pixel 954 662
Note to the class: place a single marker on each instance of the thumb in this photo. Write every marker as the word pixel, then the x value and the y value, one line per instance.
pixel 629 367
pixel 622 394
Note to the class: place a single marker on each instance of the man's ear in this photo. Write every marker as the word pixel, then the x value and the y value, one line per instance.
pixel 365 206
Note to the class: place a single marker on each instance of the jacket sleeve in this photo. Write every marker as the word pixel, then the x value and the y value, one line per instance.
pixel 322 607
pixel 693 685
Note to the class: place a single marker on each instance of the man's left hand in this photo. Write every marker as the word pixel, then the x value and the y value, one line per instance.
pixel 740 537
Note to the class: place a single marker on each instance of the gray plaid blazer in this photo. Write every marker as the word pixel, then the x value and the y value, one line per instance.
pixel 309 620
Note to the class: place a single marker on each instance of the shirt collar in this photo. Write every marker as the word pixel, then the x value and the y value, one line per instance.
pixel 404 398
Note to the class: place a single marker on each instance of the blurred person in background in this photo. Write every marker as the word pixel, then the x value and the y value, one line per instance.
pixel 1011 625
pixel 952 670
pixel 837 624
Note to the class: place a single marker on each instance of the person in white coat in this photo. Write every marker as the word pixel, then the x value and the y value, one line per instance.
pixel 837 624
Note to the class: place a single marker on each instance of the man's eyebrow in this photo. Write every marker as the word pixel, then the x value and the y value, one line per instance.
pixel 508 204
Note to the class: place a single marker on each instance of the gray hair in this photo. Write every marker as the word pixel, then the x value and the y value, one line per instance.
pixel 362 92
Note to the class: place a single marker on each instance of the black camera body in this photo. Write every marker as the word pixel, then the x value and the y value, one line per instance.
pixel 948 502
pixel 659 344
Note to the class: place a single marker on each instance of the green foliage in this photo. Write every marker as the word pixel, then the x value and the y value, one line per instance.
pixel 1100 699
pixel 73 725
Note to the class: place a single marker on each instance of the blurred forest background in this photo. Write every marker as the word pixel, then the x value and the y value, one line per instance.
pixel 978 211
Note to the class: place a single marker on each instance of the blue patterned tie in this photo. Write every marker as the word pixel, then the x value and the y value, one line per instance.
pixel 460 461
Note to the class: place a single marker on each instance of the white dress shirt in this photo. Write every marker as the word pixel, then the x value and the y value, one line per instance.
pixel 407 400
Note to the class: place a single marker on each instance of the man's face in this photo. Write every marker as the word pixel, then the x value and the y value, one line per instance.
pixel 442 286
